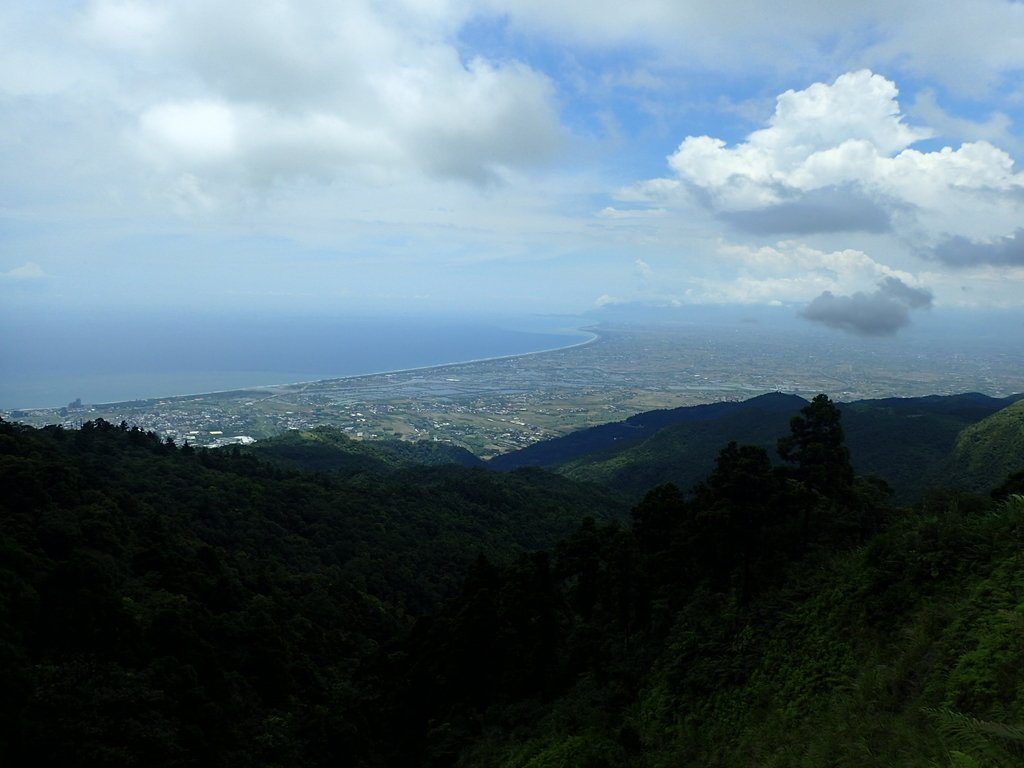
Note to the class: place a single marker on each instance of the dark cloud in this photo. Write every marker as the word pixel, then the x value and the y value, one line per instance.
pixel 835 209
pixel 914 298
pixel 959 251
pixel 880 313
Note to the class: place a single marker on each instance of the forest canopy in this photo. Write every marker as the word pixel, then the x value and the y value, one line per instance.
pixel 165 606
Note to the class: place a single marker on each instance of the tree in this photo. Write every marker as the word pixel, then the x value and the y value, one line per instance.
pixel 656 518
pixel 815 444
pixel 737 511
pixel 742 478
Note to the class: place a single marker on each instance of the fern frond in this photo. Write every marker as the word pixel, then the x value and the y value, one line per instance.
pixel 974 743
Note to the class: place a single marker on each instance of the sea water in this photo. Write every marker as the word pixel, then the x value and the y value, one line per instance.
pixel 47 362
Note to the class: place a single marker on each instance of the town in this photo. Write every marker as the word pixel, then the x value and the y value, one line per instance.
pixel 494 406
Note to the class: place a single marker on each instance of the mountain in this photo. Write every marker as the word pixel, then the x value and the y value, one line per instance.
pixel 905 441
pixel 326 448
pixel 685 452
pixel 622 434
pixel 768 620
pixel 168 606
pixel 903 651
pixel 908 441
pixel 986 452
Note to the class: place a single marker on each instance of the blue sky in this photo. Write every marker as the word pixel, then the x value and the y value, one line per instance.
pixel 854 163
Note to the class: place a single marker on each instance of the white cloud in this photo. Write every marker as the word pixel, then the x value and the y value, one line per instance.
pixel 125 24
pixel 278 90
pixel 825 135
pixel 838 157
pixel 190 132
pixel 792 272
pixel 206 133
pixel 26 272
pixel 974 53
pixel 849 266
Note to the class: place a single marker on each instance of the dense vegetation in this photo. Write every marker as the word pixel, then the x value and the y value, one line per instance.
pixel 986 452
pixel 328 449
pixel 161 603
pixel 915 444
pixel 167 606
pixel 621 435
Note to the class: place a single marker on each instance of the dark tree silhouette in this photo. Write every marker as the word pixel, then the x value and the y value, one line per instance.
pixel 815 444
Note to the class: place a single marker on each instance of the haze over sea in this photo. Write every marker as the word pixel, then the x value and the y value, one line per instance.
pixel 113 358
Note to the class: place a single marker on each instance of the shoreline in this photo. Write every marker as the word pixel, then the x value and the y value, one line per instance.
pixel 593 336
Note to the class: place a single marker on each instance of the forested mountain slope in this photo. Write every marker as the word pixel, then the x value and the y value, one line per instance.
pixel 163 606
pixel 905 651
pixel 684 453
pixel 329 449
pixel 779 617
pixel 909 441
pixel 986 452
pixel 165 603
pixel 905 441
pixel 622 434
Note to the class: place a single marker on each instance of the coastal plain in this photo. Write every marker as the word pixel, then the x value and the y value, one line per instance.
pixel 498 405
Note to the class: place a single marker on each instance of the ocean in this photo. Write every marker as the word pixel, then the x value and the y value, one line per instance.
pixel 48 362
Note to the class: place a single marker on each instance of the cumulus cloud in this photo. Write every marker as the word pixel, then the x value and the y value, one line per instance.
pixel 913 298
pixel 880 313
pixel 806 269
pixel 317 90
pixel 961 251
pixel 789 272
pixel 838 157
pixel 340 127
pixel 833 209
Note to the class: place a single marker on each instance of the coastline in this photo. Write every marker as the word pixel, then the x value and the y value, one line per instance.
pixel 591 332
pixel 495 403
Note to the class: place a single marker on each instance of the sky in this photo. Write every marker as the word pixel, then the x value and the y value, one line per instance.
pixel 854 164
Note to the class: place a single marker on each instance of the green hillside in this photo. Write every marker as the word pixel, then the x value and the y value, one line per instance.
pixel 682 454
pixel 778 618
pixel 171 606
pixel 328 449
pixel 905 441
pixel 165 606
pixel 906 652
pixel 908 441
pixel 988 451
